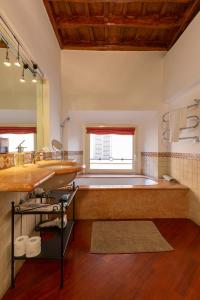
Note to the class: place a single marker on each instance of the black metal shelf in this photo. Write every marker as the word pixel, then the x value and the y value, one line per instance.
pixel 60 197
pixel 55 245
pixel 51 247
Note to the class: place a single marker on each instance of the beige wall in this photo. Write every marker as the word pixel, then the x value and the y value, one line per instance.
pixel 182 62
pixel 112 88
pixel 97 80
pixel 141 119
pixel 32 26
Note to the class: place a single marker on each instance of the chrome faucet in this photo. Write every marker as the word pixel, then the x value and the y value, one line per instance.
pixel 20 148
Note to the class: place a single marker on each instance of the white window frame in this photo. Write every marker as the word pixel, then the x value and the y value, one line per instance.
pixel 86 151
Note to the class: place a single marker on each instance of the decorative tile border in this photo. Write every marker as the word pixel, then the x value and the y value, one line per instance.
pixel 7 160
pixel 150 154
pixel 75 152
pixel 194 156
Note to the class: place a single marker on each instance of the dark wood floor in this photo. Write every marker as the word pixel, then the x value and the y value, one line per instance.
pixel 156 276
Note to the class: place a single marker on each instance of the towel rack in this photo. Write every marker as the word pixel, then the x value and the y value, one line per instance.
pixel 194 118
pixel 195 105
pixel 166 138
pixel 164 135
pixel 196 122
pixel 163 117
pixel 195 138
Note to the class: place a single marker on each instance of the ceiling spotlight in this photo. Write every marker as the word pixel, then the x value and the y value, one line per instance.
pixel 17 62
pixel 35 67
pixel 7 62
pixel 34 80
pixel 22 79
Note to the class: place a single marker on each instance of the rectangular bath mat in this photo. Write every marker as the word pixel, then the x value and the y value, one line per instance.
pixel 127 237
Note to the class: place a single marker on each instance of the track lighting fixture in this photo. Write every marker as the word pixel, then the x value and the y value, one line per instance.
pixel 20 60
pixel 22 79
pixel 7 62
pixel 17 62
pixel 34 80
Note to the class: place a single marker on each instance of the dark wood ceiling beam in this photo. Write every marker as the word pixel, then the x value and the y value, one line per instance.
pixel 113 47
pixel 144 22
pixel 126 45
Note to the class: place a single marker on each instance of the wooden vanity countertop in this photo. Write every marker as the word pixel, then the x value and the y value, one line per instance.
pixel 23 179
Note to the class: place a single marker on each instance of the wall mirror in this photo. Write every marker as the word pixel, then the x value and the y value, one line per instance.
pixel 20 97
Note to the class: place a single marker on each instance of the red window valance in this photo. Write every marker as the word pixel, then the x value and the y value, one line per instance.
pixel 17 130
pixel 111 130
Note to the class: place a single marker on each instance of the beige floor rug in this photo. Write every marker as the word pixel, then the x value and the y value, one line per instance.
pixel 127 237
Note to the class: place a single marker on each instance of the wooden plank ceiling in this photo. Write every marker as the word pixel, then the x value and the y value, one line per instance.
pixel 120 24
pixel 2 44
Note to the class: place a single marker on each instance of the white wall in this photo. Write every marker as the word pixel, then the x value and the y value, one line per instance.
pixel 142 119
pixel 182 79
pixel 112 80
pixel 31 24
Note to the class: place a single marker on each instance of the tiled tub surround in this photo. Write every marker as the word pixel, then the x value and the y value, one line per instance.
pixel 76 155
pixel 149 164
pixel 164 200
pixel 184 167
pixel 154 164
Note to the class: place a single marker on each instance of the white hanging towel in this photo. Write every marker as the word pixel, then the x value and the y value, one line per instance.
pixel 177 120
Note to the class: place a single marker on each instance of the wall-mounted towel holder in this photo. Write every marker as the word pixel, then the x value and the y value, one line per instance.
pixel 195 138
pixel 194 118
pixel 195 105
pixel 196 121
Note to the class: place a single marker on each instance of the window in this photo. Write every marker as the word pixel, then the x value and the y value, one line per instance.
pixel 110 148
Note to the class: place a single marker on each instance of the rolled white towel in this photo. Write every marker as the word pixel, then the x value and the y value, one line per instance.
pixel 55 223
pixel 169 178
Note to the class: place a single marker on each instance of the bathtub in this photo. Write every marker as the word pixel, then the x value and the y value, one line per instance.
pixel 104 197
pixel 113 180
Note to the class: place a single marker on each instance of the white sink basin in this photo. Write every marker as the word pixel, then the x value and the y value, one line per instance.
pixel 64 173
